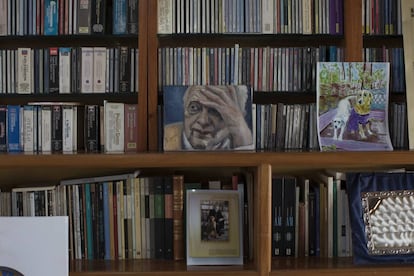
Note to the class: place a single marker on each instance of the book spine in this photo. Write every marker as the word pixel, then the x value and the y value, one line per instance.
pixel 119 17
pixel 86 77
pixel 124 70
pixel 114 127
pixel 24 71
pixel 289 207
pixel 159 217
pixel 53 70
pixel 51 17
pixel 277 219
pixel 92 132
pixel 57 129
pixel 46 137
pixel 28 126
pixel 165 14
pixel 178 218
pixel 68 124
pixel 3 128
pixel 132 23
pixel 84 17
pixel 168 218
pixel 99 69
pixel 98 16
pixel 131 127
pixel 14 143
pixel 65 70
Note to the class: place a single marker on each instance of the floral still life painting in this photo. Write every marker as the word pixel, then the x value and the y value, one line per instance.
pixel 352 106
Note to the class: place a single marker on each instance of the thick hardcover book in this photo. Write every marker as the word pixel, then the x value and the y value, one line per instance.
pixel 57 129
pixel 98 16
pixel 124 70
pixel 51 17
pixel 114 126
pixel 14 142
pixel 132 23
pixel 354 115
pixel 277 217
pixel 65 70
pixel 28 127
pixel 289 215
pixel 208 117
pixel 3 128
pixel 99 67
pixel 165 16
pixel 86 70
pixel 24 71
pixel 178 217
pixel 53 70
pixel 92 132
pixel 168 218
pixel 159 217
pixel 131 127
pixel 84 17
pixel 46 137
pixel 119 17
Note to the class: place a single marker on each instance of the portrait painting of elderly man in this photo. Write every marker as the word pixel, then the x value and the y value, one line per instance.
pixel 208 117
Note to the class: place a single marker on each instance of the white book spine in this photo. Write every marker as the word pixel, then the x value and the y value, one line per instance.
pixel 28 124
pixel 3 17
pixel 24 71
pixel 99 69
pixel 267 16
pixel 165 16
pixel 46 129
pixel 86 69
pixel 67 128
pixel 64 70
pixel 114 127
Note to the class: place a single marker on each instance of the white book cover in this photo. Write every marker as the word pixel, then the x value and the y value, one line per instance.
pixel 28 126
pixel 64 70
pixel 35 246
pixel 114 126
pixel 86 69
pixel 165 16
pixel 268 16
pixel 67 129
pixel 46 136
pixel 99 69
pixel 24 71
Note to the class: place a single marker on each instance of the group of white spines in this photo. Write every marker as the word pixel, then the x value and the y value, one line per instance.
pixel 69 70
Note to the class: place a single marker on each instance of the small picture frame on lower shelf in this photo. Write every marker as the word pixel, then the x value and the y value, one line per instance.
pixel 214 227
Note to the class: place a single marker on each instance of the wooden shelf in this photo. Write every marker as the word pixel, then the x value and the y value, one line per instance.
pixel 314 266
pixel 28 169
pixel 154 267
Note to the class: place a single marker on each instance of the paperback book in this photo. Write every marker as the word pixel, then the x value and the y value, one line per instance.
pixel 208 117
pixel 352 106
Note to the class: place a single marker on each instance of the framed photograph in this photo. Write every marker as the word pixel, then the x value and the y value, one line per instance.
pixel 214 227
pixel 207 118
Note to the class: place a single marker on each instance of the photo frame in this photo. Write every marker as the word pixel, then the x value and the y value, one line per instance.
pixel 214 227
pixel 380 206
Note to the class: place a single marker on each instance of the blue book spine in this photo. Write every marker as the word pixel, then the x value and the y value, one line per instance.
pixel 3 128
pixel 14 143
pixel 51 17
pixel 119 18
pixel 89 226
pixel 106 221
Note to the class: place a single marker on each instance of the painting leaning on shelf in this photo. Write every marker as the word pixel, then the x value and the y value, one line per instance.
pixel 352 106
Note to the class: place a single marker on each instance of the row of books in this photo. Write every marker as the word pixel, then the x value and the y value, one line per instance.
pixel 251 16
pixel 69 70
pixel 125 216
pixel 284 126
pixel 381 17
pixel 395 56
pixel 310 217
pixel 52 127
pixel 68 17
pixel 263 68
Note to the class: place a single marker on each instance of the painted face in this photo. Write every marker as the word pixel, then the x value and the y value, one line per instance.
pixel 203 126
